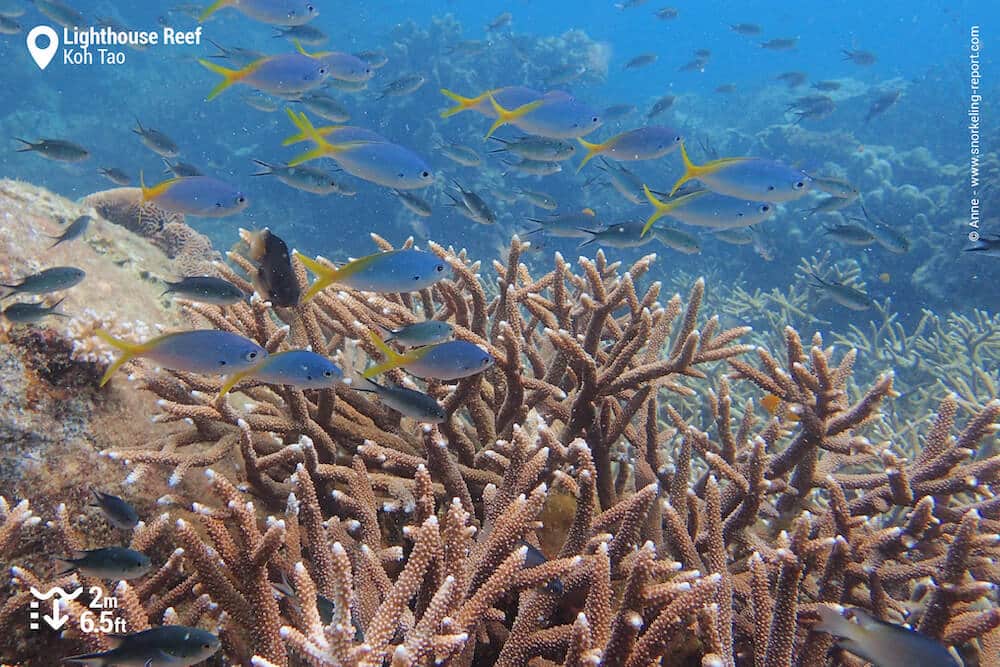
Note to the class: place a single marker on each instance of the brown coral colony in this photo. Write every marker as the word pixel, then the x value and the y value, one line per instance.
pixel 607 493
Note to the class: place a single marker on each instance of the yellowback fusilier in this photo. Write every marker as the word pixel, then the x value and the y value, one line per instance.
pixel 207 351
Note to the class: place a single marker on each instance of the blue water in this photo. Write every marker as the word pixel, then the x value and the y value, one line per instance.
pixel 922 48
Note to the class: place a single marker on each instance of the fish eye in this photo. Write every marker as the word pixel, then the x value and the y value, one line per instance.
pixel 322 71
pixel 799 185
pixel 595 119
pixel 740 214
pixel 439 268
pixel 425 174
pixel 310 8
pixel 677 139
pixel 222 362
pixel 770 187
pixel 250 356
pixel 417 277
pixel 240 199
pixel 764 208
pixel 328 374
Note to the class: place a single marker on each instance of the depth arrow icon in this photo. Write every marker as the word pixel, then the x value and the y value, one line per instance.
pixel 56 620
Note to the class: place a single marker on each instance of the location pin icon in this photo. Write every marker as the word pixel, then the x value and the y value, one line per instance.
pixel 42 56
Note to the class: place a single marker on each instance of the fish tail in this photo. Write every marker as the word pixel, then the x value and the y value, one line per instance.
pixel 212 8
pixel 30 146
pixel 373 388
pixel 268 167
pixel 387 332
pixel 129 350
pixel 313 154
pixel 505 116
pixel 592 151
pixel 325 276
pixel 232 381
pixel 96 659
pixel 52 308
pixel 593 236
pixel 659 209
pixel 325 149
pixel 298 47
pixel 392 358
pixel 67 565
pixel 302 125
pixel 229 76
pixel 833 622
pixel 463 103
pixel 309 132
pixel 691 170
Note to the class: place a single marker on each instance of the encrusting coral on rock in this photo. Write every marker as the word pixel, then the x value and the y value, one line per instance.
pixel 572 509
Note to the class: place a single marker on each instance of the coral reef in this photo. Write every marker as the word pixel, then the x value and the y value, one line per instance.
pixel 616 436
pixel 52 419
pixel 164 229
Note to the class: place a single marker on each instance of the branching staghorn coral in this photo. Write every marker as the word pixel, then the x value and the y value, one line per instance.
pixel 712 542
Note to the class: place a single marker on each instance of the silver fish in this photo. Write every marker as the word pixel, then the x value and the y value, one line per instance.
pixel 108 563
pixel 420 333
pixel 414 203
pixel 621 235
pixel 206 289
pixel 541 149
pixel 75 230
pixel 117 511
pixel 156 141
pixel 115 175
pixel 29 313
pixel 165 646
pixel 534 167
pixel 408 402
pixel 851 234
pixel 302 177
pixel 472 206
pixel 676 239
pixel 847 296
pixel 463 155
pixel 884 644
pixel 55 149
pixel 540 199
pixel 402 86
pixel 181 169
pixel 985 245
pixel 49 280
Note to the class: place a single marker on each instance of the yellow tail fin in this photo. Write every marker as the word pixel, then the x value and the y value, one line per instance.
pixel 325 276
pixel 393 359
pixel 212 8
pixel 235 379
pixel 662 208
pixel 303 125
pixel 301 49
pixel 592 151
pixel 229 76
pixel 129 350
pixel 463 103
pixel 308 132
pixel 691 170
pixel 314 154
pixel 505 116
